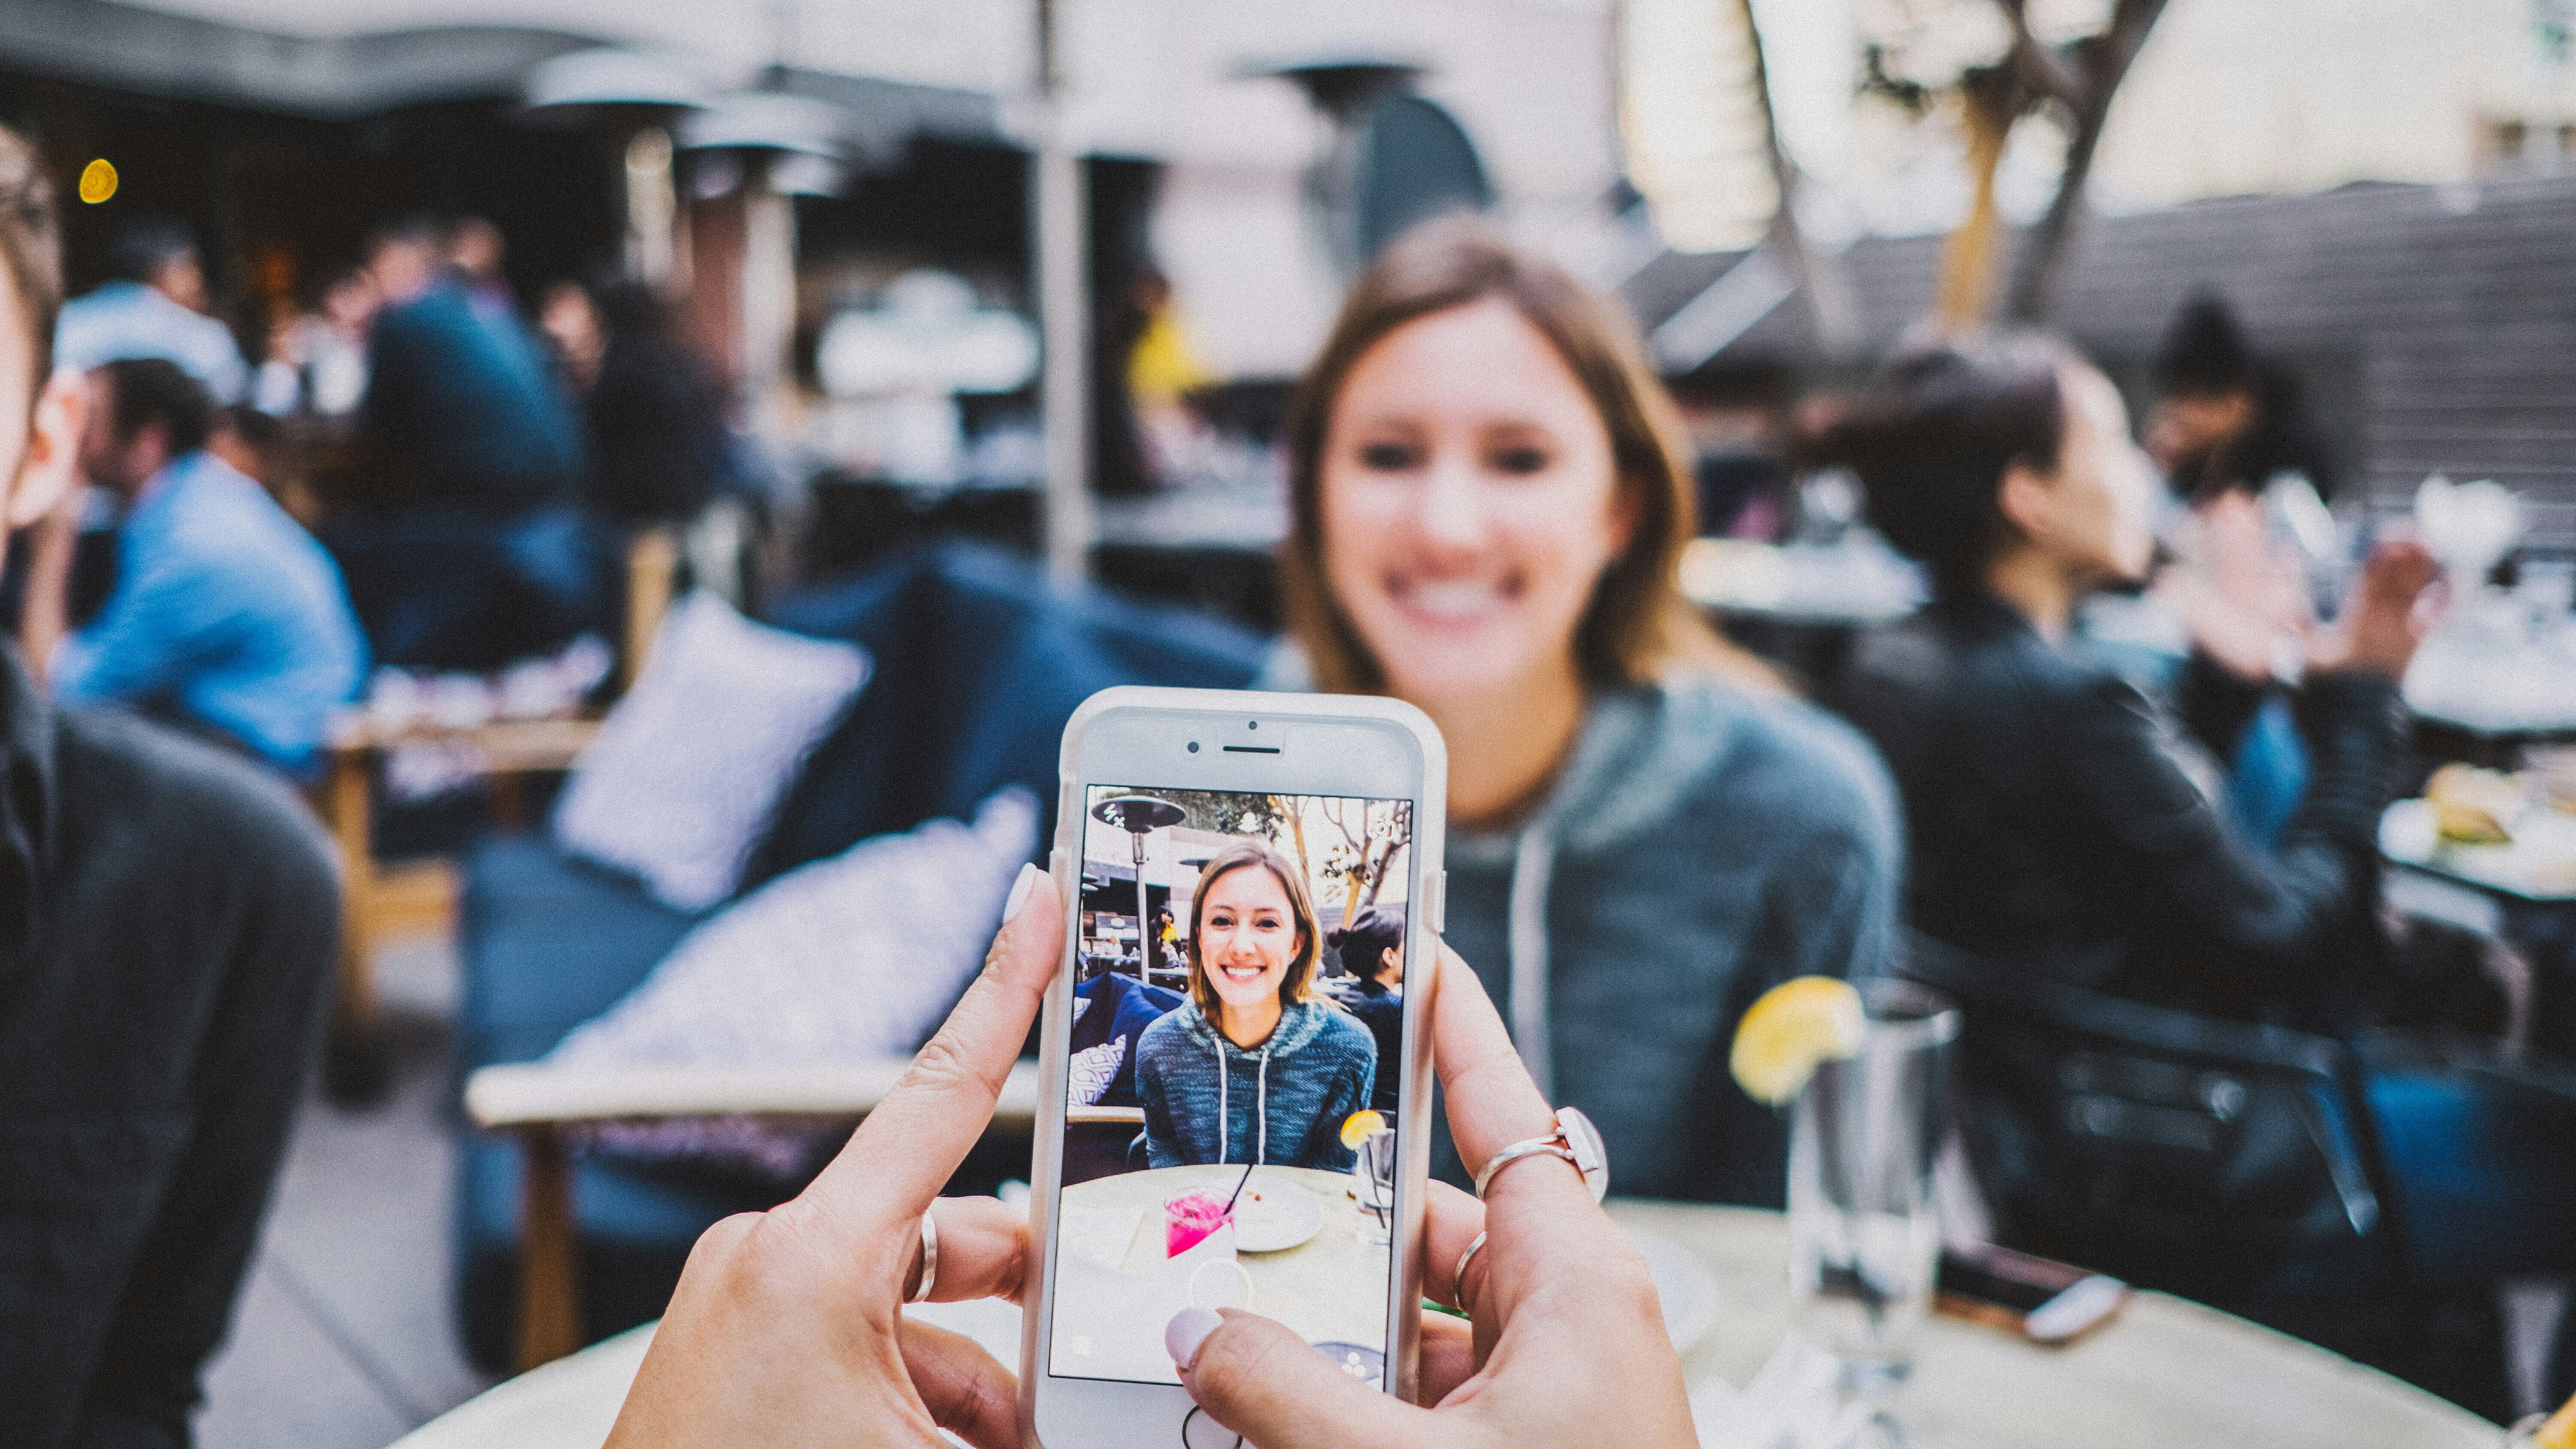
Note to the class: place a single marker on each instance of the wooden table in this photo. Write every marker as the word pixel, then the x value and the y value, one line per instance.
pixel 2165 1374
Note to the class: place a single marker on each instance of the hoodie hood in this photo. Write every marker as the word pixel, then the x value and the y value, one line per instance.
pixel 1299 1025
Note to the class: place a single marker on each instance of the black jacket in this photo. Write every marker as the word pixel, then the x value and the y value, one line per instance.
pixel 168 917
pixel 2060 817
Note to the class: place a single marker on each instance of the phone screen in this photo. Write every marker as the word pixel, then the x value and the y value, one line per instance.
pixel 1235 1045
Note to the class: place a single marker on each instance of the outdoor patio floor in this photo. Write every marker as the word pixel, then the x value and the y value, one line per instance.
pixel 344 1337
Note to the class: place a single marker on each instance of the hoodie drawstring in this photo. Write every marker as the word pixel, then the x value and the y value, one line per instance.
pixel 1533 861
pixel 1225 1118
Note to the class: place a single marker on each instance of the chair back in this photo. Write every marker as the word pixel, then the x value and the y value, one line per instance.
pixel 2222 1160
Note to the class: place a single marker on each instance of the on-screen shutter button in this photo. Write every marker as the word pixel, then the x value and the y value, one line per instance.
pixel 1198 1431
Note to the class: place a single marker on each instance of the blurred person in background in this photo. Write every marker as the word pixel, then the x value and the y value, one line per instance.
pixel 2225 418
pixel 153 305
pixel 1371 944
pixel 475 251
pixel 2232 435
pixel 170 917
pixel 1489 495
pixel 470 550
pixel 317 363
pixel 654 417
pixel 226 617
pixel 2056 816
pixel 2064 823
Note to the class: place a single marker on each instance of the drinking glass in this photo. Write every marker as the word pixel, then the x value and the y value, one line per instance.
pixel 1864 1233
pixel 1374 1176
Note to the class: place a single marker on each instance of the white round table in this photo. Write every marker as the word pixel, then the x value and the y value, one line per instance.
pixel 2165 1374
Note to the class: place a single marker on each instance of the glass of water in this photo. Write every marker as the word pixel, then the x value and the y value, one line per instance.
pixel 1375 1187
pixel 1864 1232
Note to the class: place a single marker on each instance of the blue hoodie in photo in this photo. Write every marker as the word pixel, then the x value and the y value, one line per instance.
pixel 1209 1101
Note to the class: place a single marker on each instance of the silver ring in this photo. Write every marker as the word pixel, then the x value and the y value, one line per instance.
pixel 1576 1140
pixel 929 1258
pixel 1458 1279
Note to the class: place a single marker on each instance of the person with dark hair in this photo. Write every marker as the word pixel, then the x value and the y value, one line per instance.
pixel 2227 418
pixel 472 550
pixel 226 616
pixel 1256 1066
pixel 169 915
pixel 2056 817
pixel 1372 949
pixel 2064 823
pixel 2234 439
pixel 153 305
pixel 655 417
pixel 1489 492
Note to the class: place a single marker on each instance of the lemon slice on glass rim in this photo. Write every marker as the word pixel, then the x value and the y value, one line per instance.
pixel 1795 1025
pixel 1360 1126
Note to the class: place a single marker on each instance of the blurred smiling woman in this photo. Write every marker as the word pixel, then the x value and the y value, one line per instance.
pixel 1255 1067
pixel 1490 494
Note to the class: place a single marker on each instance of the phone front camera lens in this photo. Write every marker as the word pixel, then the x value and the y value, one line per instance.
pixel 1252 724
pixel 1194 747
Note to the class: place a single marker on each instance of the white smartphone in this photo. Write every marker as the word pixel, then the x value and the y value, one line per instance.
pixel 1238 1080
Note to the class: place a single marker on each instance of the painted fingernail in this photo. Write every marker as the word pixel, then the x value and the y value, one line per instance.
pixel 1188 1329
pixel 1019 893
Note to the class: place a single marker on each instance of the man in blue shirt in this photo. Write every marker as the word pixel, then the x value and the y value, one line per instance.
pixel 225 613
pixel 475 553
pixel 153 306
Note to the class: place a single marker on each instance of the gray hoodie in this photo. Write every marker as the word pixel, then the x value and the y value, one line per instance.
pixel 1209 1101
pixel 1701 845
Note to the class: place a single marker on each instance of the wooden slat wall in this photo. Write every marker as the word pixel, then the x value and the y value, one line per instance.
pixel 2437 325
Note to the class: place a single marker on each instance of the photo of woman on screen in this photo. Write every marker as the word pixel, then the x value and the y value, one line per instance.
pixel 1256 1067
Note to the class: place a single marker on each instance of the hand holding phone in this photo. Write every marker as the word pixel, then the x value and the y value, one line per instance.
pixel 785 1329
pixel 1568 1345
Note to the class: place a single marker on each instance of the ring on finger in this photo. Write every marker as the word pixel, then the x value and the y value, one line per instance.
pixel 1458 1278
pixel 929 1257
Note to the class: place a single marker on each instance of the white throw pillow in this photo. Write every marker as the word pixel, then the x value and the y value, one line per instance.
pixel 854 957
pixel 690 764
pixel 1093 1069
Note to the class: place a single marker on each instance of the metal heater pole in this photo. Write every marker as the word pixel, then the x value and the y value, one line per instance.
pixel 1064 320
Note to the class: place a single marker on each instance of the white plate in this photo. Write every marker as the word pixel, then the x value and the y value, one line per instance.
pixel 1274 1215
pixel 1684 1286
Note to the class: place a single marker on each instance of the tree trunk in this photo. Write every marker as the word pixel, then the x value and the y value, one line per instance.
pixel 1818 278
pixel 1968 255
pixel 2039 274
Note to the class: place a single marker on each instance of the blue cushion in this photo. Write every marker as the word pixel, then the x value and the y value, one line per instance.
pixel 548 943
pixel 1133 1007
pixel 976 665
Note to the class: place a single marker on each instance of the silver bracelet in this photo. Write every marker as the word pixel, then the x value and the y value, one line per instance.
pixel 1576 1140
pixel 929 1258
pixel 1458 1279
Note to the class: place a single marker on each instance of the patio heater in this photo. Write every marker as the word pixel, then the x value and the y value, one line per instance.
pixel 1139 816
pixel 630 98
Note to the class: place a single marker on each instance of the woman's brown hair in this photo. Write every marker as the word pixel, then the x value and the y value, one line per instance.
pixel 1299 984
pixel 30 248
pixel 1637 623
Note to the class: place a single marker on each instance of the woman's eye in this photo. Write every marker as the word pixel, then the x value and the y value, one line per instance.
pixel 1519 461
pixel 1390 457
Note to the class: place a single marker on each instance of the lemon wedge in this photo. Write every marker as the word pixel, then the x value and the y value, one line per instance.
pixel 1795 1025
pixel 2560 1431
pixel 1360 1126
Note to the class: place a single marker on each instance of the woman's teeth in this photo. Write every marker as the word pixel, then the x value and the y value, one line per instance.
pixel 1242 973
pixel 1454 601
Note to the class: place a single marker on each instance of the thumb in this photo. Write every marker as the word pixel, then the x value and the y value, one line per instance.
pixel 1270 1386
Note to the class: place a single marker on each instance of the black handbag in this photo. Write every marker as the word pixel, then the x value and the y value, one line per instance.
pixel 2222 1160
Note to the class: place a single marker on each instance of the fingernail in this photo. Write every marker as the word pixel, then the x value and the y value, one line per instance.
pixel 1019 893
pixel 1188 1329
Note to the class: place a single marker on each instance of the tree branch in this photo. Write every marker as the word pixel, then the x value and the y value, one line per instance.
pixel 2042 67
